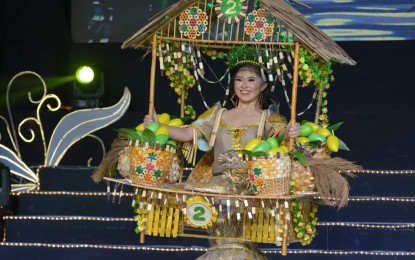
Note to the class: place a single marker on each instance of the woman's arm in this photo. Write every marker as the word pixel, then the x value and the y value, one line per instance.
pixel 180 134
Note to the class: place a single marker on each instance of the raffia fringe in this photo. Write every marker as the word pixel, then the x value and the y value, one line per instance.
pixel 329 180
pixel 108 166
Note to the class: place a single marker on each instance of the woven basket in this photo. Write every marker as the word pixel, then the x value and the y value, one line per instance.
pixel 321 152
pixel 269 175
pixel 150 164
pixel 303 179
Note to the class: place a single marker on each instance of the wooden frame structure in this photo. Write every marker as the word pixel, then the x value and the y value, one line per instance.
pixel 223 24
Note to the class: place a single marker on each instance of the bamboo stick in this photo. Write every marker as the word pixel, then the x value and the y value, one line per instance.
pixel 218 195
pixel 320 94
pixel 152 76
pixel 294 92
pixel 220 42
pixel 182 100
pixel 210 20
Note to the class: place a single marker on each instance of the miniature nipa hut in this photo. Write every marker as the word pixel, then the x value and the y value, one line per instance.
pixel 181 34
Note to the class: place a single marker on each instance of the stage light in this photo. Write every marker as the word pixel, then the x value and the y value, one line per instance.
pixel 88 88
pixel 85 74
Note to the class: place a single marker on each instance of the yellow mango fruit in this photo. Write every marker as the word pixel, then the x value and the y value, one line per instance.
pixel 302 140
pixel 276 150
pixel 285 148
pixel 140 127
pixel 324 132
pixel 313 125
pixel 162 131
pixel 164 118
pixel 250 146
pixel 175 122
pixel 333 143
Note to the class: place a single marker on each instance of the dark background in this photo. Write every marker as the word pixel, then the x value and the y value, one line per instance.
pixel 375 98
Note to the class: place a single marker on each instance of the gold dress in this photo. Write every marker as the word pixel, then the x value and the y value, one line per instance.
pixel 215 175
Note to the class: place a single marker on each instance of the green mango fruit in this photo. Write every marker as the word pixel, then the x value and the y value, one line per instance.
pixel 171 142
pixel 262 147
pixel 161 139
pixel 316 137
pixel 153 126
pixel 306 130
pixel 273 142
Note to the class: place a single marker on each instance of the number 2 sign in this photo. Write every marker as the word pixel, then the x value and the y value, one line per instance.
pixel 200 213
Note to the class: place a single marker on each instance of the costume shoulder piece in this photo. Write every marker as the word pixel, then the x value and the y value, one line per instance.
pixel 204 124
pixel 207 115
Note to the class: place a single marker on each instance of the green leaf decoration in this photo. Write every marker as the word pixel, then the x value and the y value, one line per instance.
pixel 245 152
pixel 314 144
pixel 335 126
pixel 185 119
pixel 280 139
pixel 256 154
pixel 149 136
pixel 343 146
pixel 131 133
pixel 300 157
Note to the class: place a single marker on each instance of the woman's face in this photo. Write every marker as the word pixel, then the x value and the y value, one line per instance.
pixel 248 85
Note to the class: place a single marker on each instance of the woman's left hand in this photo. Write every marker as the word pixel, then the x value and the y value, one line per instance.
pixel 293 130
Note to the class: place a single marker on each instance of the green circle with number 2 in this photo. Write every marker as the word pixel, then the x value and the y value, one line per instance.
pixel 231 8
pixel 199 214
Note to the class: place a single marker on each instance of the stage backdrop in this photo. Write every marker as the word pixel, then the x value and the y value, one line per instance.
pixel 343 20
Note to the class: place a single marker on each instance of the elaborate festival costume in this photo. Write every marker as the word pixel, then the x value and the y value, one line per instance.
pixel 220 173
pixel 219 137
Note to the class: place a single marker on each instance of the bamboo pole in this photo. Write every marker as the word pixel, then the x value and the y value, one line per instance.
pixel 152 76
pixel 216 195
pixel 182 100
pixel 320 93
pixel 294 91
pixel 221 42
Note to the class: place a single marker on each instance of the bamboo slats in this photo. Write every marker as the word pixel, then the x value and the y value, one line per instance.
pixel 305 32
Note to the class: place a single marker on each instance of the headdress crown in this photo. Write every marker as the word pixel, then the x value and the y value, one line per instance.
pixel 244 54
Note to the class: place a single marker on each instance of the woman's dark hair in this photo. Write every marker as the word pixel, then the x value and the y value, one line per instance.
pixel 267 98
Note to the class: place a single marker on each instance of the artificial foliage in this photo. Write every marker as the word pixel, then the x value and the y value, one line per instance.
pixel 304 225
pixel 313 69
pixel 181 80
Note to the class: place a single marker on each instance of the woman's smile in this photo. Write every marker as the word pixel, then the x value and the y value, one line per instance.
pixel 248 85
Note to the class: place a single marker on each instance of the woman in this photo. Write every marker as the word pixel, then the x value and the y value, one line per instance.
pixel 250 96
pixel 231 129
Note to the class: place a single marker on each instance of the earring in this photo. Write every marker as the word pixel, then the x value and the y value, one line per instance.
pixel 234 100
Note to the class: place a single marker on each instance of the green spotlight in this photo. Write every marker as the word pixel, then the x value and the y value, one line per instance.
pixel 84 75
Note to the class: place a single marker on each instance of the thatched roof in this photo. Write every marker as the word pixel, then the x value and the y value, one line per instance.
pixel 307 33
pixel 143 38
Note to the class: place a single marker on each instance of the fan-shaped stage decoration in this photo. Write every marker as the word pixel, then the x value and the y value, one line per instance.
pixel 78 124
pixel 231 11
